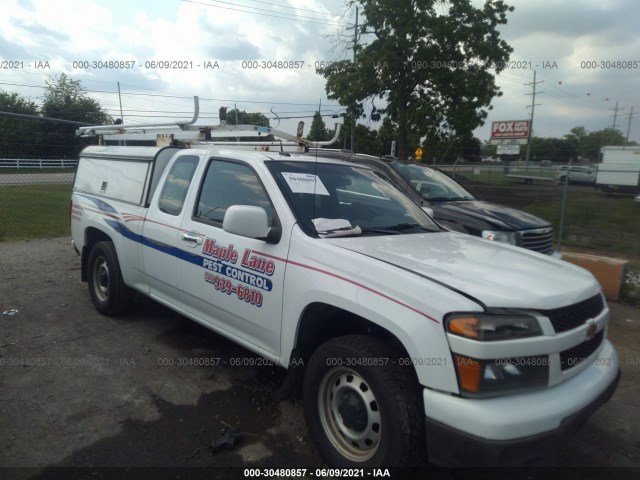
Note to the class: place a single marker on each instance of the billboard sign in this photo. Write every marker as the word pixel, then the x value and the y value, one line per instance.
pixel 510 129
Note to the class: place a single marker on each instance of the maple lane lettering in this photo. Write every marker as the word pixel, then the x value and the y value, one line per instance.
pixel 257 264
pixel 224 254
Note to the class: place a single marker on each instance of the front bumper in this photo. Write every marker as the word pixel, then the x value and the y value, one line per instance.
pixel 518 429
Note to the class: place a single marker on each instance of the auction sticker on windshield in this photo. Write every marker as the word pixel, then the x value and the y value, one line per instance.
pixel 305 183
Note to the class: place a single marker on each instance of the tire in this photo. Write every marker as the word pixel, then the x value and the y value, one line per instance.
pixel 109 294
pixel 379 421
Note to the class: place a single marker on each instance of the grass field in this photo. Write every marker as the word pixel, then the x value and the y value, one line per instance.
pixel 603 225
pixel 497 176
pixel 597 222
pixel 34 211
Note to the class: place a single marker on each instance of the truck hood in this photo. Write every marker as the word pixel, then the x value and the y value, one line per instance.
pixel 493 274
pixel 504 218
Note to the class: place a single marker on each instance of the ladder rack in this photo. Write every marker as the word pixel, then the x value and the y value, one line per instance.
pixel 191 134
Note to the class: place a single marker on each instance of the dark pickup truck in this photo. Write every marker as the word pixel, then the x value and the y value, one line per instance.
pixel 454 207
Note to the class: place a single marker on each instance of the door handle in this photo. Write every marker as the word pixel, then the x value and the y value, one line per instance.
pixel 192 237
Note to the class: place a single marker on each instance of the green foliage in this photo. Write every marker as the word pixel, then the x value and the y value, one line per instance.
pixel 64 99
pixel 386 136
pixel 318 130
pixel 17 139
pixel 472 150
pixel 588 144
pixel 241 117
pixel 429 68
pixel 555 149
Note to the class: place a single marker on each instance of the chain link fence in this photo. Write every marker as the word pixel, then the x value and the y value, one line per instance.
pixel 34 197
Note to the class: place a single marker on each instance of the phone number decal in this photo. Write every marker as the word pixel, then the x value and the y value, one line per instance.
pixel 224 285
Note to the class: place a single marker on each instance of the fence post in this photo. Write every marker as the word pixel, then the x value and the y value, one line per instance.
pixel 564 202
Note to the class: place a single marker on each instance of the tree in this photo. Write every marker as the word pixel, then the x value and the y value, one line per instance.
pixel 20 137
pixel 318 130
pixel 386 136
pixel 65 99
pixel 472 150
pixel 592 142
pixel 237 117
pixel 431 70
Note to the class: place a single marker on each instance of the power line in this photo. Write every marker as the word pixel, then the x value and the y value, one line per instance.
pixel 293 8
pixel 178 96
pixel 301 18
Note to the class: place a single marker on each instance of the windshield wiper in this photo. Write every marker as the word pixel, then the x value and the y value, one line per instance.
pixel 407 226
pixel 340 232
pixel 384 231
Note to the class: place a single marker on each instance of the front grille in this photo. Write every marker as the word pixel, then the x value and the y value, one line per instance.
pixel 568 318
pixel 578 354
pixel 539 240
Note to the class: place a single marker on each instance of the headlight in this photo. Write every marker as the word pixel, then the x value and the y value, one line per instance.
pixel 504 237
pixel 492 327
pixel 485 378
pixel 490 377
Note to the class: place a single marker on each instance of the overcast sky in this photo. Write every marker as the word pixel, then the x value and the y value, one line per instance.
pixel 554 37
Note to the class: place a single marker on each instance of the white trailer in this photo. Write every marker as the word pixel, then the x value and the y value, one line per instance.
pixel 619 170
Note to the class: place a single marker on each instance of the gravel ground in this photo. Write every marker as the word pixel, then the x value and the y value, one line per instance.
pixel 78 389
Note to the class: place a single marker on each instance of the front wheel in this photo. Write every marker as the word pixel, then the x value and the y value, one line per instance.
pixel 108 292
pixel 362 409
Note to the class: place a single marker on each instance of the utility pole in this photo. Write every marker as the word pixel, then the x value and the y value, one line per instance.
pixel 631 114
pixel 615 114
pixel 353 120
pixel 533 107
pixel 120 100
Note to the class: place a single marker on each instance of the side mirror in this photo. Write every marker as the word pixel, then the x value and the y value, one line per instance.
pixel 246 221
pixel 428 210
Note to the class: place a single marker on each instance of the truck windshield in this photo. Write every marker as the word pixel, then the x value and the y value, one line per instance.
pixel 346 200
pixel 431 184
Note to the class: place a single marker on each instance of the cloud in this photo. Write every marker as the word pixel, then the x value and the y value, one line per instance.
pixel 557 32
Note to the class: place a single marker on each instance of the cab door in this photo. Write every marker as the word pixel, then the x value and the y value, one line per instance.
pixel 161 231
pixel 236 286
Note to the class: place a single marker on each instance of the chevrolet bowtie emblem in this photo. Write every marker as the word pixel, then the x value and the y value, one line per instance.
pixel 592 330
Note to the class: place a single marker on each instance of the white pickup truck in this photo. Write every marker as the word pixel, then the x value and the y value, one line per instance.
pixel 403 338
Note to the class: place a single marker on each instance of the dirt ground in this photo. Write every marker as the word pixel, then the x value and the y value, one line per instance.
pixel 78 389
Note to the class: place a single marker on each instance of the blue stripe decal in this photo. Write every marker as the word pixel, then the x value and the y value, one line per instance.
pixel 101 204
pixel 204 262
pixel 161 247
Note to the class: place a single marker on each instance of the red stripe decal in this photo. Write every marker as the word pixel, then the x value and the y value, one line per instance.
pixel 344 279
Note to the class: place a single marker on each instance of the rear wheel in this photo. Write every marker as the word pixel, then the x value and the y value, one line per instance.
pixel 362 409
pixel 107 289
